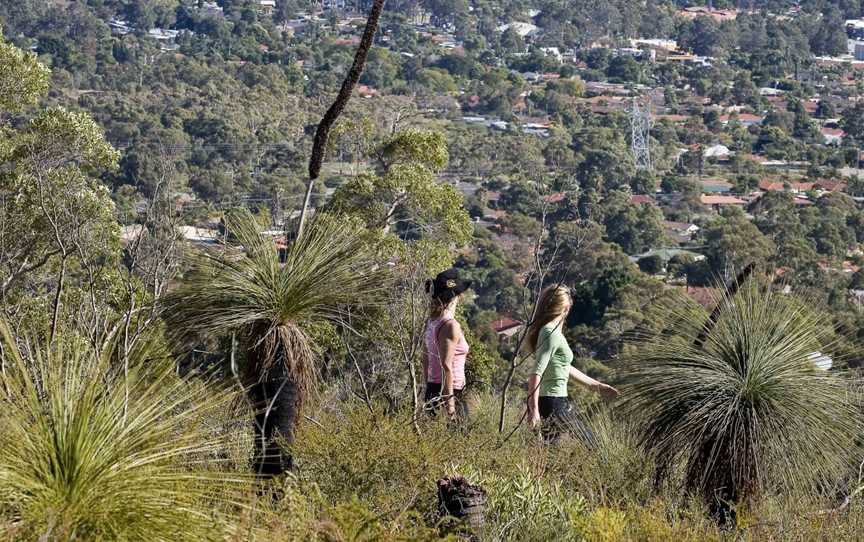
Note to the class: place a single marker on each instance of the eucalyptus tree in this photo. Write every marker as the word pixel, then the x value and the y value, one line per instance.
pixel 56 214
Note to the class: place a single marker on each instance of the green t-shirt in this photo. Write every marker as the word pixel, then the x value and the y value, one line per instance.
pixel 552 360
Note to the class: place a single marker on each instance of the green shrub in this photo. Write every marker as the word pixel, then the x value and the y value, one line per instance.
pixel 526 505
pixel 307 516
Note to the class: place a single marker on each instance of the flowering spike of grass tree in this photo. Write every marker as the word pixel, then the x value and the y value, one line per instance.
pixel 270 306
pixel 746 410
pixel 88 454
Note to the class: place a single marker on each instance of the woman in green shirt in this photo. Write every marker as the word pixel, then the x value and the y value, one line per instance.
pixel 547 384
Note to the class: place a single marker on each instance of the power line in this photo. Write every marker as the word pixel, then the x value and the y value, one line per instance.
pixel 207 147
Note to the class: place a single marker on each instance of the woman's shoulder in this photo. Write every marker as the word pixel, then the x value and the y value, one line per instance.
pixel 452 322
pixel 550 328
pixel 450 326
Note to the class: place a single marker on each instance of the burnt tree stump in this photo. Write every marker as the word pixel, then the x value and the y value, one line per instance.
pixel 465 502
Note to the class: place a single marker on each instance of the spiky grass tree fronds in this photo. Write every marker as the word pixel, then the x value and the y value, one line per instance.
pixel 88 454
pixel 270 306
pixel 747 410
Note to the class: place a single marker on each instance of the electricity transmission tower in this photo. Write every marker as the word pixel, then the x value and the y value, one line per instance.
pixel 640 131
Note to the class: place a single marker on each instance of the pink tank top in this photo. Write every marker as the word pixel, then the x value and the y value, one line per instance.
pixel 433 370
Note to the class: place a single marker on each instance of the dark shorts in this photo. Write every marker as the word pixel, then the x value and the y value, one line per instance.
pixel 432 400
pixel 559 417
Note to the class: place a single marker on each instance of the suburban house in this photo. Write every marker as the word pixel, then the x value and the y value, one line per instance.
pixel 746 119
pixel 199 235
pixel 832 136
pixel 829 186
pixel 717 151
pixel 555 198
pixel 715 186
pixel 267 6
pixel 767 185
pixel 506 328
pixel 641 199
pixel 666 254
pixel 717 202
pixel 682 232
pixel 525 30
pixel 707 297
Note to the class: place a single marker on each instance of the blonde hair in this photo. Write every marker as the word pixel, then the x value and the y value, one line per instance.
pixel 554 301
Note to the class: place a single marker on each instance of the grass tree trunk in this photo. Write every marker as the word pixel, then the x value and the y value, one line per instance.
pixel 320 144
pixel 276 397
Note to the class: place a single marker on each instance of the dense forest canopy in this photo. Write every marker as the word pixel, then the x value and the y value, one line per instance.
pixel 214 105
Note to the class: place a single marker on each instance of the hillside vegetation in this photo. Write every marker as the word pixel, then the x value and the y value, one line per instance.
pixel 181 360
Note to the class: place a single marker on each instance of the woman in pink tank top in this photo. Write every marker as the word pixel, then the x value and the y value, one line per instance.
pixel 446 347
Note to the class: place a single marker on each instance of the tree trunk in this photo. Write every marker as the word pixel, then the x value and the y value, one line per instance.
pixel 58 298
pixel 466 502
pixel 323 131
pixel 276 397
pixel 504 390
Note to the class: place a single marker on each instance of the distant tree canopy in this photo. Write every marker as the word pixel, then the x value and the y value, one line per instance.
pixel 222 116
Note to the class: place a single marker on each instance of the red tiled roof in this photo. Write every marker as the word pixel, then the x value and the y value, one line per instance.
pixel 504 323
pixel 710 199
pixel 641 199
pixel 366 90
pixel 742 117
pixel 555 198
pixel 348 41
pixel 830 186
pixel 704 296
pixel 845 267
pixel 769 186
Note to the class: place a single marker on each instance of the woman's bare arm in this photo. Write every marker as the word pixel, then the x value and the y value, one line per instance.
pixel 605 390
pixel 533 399
pixel 448 338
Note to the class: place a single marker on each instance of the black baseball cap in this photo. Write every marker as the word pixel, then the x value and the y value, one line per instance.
pixel 447 285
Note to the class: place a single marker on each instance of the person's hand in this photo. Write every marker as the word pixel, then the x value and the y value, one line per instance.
pixel 451 409
pixel 533 418
pixel 607 392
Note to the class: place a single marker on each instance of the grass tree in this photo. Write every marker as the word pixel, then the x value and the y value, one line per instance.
pixel 87 453
pixel 740 402
pixel 270 306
